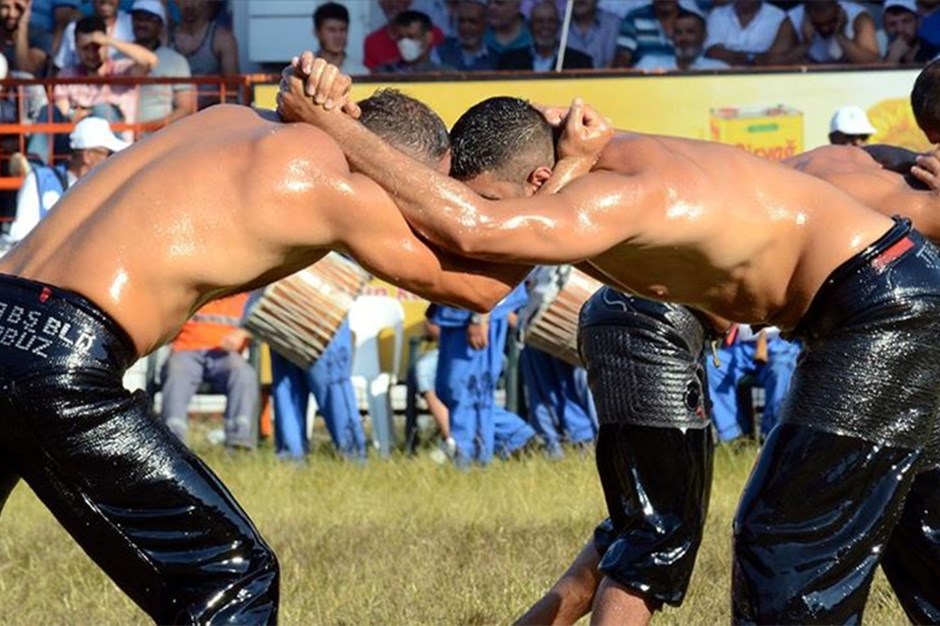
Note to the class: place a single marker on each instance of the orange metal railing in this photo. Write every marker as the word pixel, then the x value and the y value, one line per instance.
pixel 14 136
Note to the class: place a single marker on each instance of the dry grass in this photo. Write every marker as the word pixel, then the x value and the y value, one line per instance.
pixel 398 542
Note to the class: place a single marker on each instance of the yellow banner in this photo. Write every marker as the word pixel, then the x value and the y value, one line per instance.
pixel 684 105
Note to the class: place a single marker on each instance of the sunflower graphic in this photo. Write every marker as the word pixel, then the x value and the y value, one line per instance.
pixel 896 126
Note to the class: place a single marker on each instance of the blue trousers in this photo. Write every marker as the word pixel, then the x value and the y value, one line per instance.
pixel 329 381
pixel 737 360
pixel 560 405
pixel 466 384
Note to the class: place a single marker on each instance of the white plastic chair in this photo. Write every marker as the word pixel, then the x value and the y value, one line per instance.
pixel 368 316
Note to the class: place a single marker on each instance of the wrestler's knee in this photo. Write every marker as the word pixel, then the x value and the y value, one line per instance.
pixel 253 598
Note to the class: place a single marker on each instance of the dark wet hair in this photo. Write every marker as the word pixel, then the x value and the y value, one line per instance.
pixel 406 123
pixel 90 24
pixel 925 98
pixel 503 135
pixel 330 11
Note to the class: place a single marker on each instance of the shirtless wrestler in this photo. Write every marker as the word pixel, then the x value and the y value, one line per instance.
pixel 616 341
pixel 712 227
pixel 657 402
pixel 226 200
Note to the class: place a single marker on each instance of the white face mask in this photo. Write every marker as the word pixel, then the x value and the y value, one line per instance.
pixel 410 49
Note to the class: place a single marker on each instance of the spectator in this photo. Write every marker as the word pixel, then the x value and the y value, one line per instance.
pixel 901 23
pixel 425 376
pixel 443 14
pixel 118 26
pixel 850 126
pixel 826 31
pixel 53 17
pixel 466 52
pixel 413 30
pixel 26 48
pixel 381 45
pixel 689 38
pixel 331 28
pixel 470 362
pixel 208 349
pixel 766 357
pixel 646 30
pixel 72 102
pixel 506 27
pixel 560 404
pixel 328 379
pixel 164 103
pixel 594 32
pixel 210 48
pixel 741 33
pixel 91 142
pixel 542 55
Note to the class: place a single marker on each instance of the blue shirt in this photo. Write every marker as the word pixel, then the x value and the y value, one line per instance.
pixel 448 316
pixel 522 40
pixel 450 53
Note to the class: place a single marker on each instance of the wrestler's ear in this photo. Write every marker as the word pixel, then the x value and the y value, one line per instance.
pixel 537 177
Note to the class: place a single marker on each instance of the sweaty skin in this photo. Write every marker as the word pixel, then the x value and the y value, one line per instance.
pixel 685 221
pixel 854 171
pixel 227 200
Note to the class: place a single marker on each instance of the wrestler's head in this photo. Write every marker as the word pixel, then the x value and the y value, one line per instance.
pixel 409 125
pixel 502 148
pixel 925 101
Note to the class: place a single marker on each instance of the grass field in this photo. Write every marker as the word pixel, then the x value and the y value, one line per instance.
pixel 399 542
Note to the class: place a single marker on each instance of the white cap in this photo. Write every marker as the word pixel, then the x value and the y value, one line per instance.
pixel 909 5
pixel 150 6
pixel 851 120
pixel 95 132
pixel 4 67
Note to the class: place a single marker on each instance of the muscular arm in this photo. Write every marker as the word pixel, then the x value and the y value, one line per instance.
pixel 586 218
pixel 896 159
pixel 366 224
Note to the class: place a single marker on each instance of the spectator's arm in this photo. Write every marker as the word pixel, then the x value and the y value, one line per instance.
pixel 62 16
pixel 62 101
pixel 787 49
pixel 735 57
pixel 863 47
pixel 144 60
pixel 184 103
pixel 27 58
pixel 225 48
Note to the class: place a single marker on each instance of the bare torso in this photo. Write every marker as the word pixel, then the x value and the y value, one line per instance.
pixel 220 202
pixel 730 233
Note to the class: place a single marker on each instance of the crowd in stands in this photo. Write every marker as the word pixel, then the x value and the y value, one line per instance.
pixel 657 35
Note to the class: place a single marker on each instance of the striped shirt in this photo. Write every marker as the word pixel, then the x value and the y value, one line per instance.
pixel 641 33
